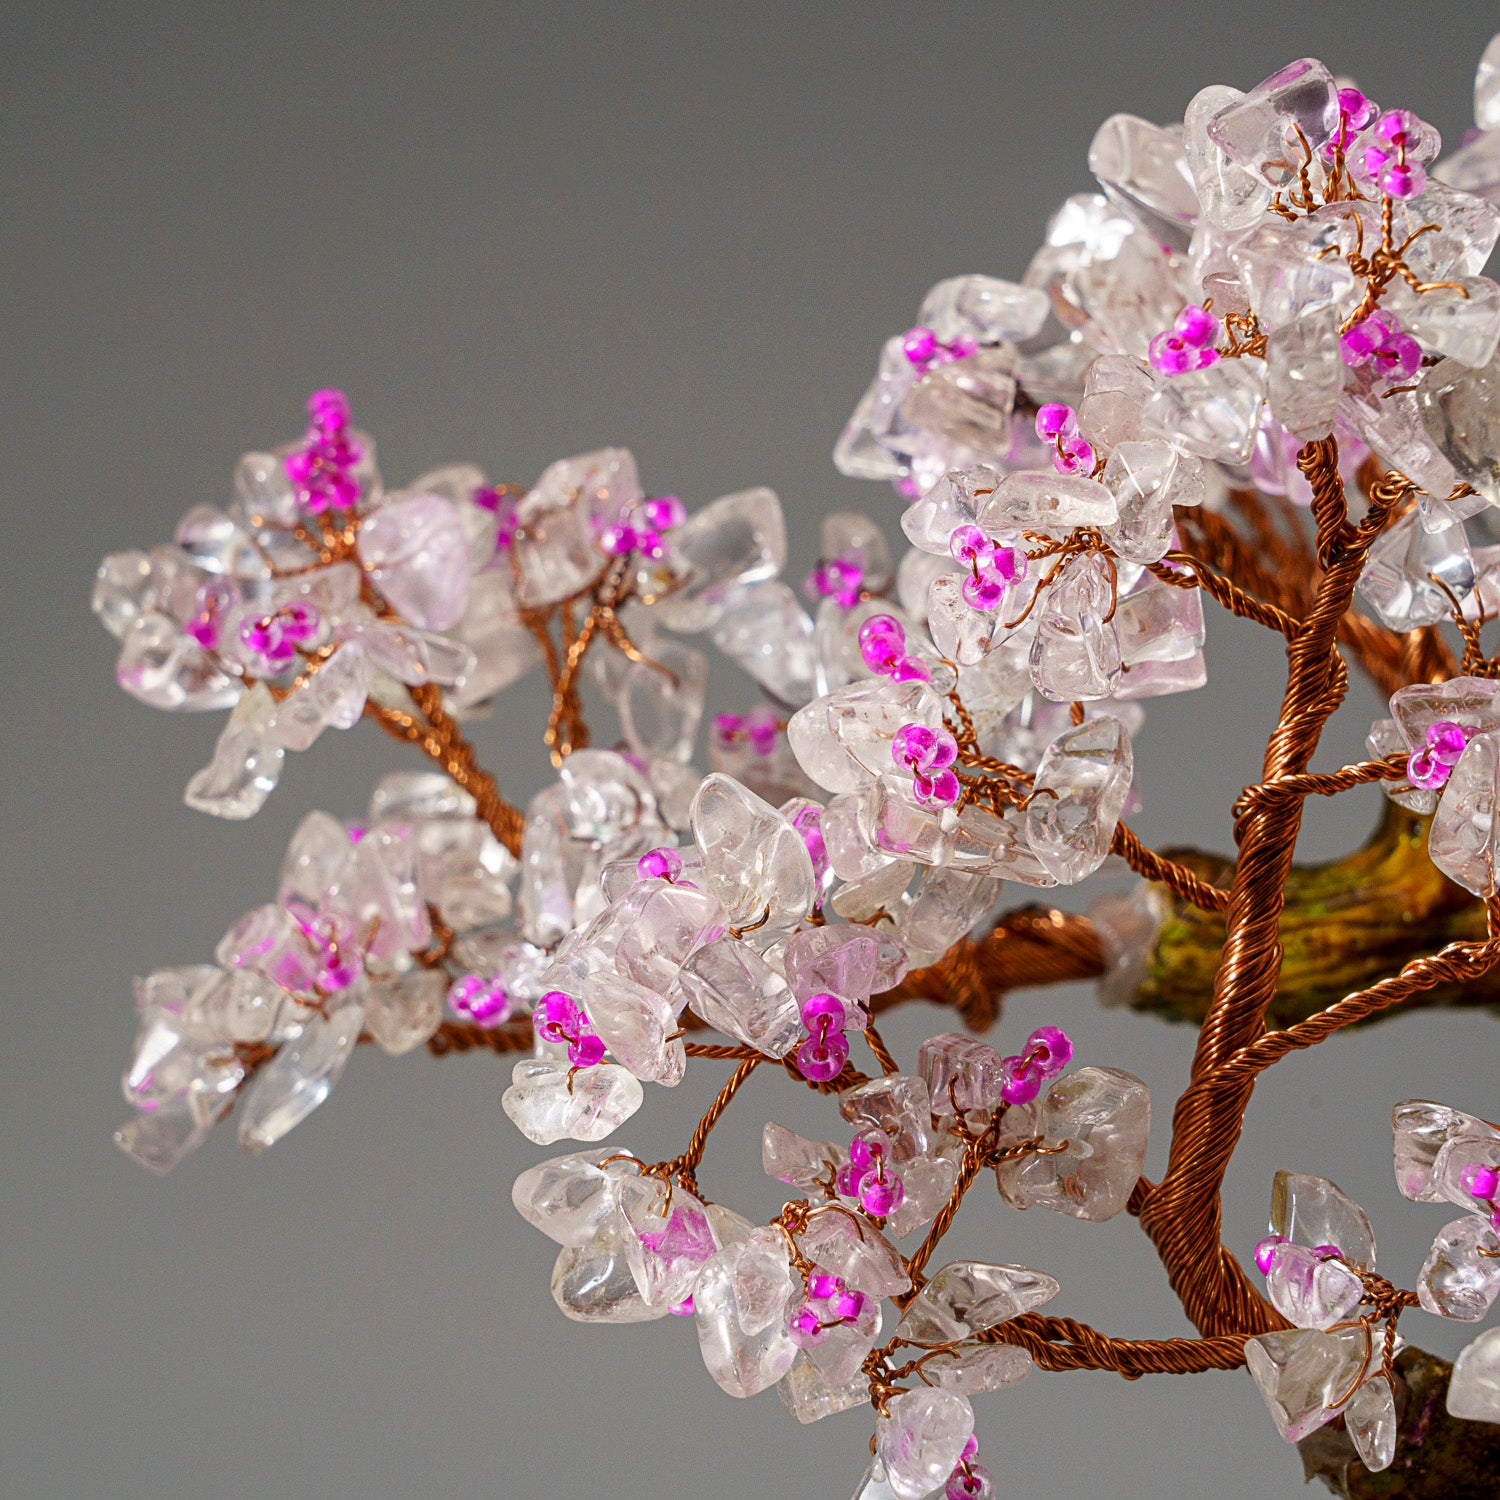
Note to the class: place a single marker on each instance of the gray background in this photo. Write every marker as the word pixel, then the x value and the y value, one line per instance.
pixel 514 234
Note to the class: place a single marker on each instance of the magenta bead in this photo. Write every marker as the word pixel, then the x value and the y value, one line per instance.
pixel 1050 1049
pixel 1265 1253
pixel 822 1284
pixel 909 669
pixel 1054 418
pixel 663 512
pixel 805 1327
pixel 1169 354
pixel 1196 326
pixel 1328 1252
pixel 920 345
pixel 1356 106
pixel 557 1016
pixel 820 1059
pixel 1479 1181
pixel 659 864
pixel 586 1051
pixel 1447 742
pixel 824 1010
pixel 968 544
pixel 977 1484
pixel 1022 1084
pixel 683 1309
pixel 846 1304
pixel 882 641
pixel 880 1196
pixel 1425 770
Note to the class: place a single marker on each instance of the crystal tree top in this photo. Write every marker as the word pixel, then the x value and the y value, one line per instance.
pixel 1261 366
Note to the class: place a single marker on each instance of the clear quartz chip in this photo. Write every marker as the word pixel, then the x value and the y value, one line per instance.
pixel 1461 1276
pixel 1398 580
pixel 921 1438
pixel 966 1297
pixel 1305 1374
pixel 299 1078
pixel 754 861
pixel 962 1073
pixel 1260 129
pixel 545 1105
pixel 1210 413
pixel 1371 1421
pixel 1313 1211
pixel 1075 655
pixel 1464 840
pixel 1474 1388
pixel 741 1361
pixel 1080 791
pixel 415 552
pixel 719 551
pixel 1420 1130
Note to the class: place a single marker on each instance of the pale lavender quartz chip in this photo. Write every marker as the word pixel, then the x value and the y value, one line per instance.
pixel 961 1072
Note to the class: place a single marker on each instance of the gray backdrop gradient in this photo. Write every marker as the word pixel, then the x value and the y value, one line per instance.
pixel 514 234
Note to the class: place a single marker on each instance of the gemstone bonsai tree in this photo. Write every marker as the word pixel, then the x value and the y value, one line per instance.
pixel 1257 373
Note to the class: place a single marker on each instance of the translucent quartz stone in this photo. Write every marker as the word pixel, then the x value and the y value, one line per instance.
pixel 754 861
pixel 914 573
pixel 762 1279
pixel 792 1158
pixel 849 856
pixel 921 1439
pixel 1467 328
pixel 961 1072
pixel 1304 373
pixel 766 631
pixel 236 1005
pixel 1460 410
pixel 654 930
pixel 1464 840
pixel 219 544
pixel 1370 1418
pixel 961 633
pixel 1461 1276
pixel 246 763
pixel 544 1109
pixel 858 1252
pixel 268 940
pixel 603 796
pixel 403 1011
pixel 570 1198
pixel 158 1140
pixel 122 591
pixel 1474 1387
pixel 867 447
pixel 968 402
pixel 1301 1372
pixel 741 1362
pixel 660 713
pixel 843 740
pixel 1313 1211
pixel 1473 702
pixel 634 1023
pixel 167 669
pixel 808 1396
pixel 298 1079
pixel 737 540
pixel 731 987
pixel 1147 479
pixel 1475 165
pixel 841 1354
pixel 1391 421
pixel 1396 579
pixel 1487 87
pixel 894 823
pixel 332 698
pixel 1033 501
pixel 1143 168
pixel 946 904
pixel 333 590
pixel 1104 1115
pixel 984 309
pixel 1115 390
pixel 874 1485
pixel 1421 1130
pixel 319 849
pixel 408 655
pixel 1080 791
pixel 898 1105
pixel 1309 1291
pixel 670 1239
pixel 1132 296
pixel 376 893
pixel 968 1368
pixel 592 1282
pixel 851 536
pixel 1286 281
pixel 872 898
pixel 1230 196
pixel 987 845
pixel 504 649
pixel 1470 225
pixel 843 960
pixel 1210 413
pixel 1258 130
pixel 415 552
pixel 967 1296
pixel 929 1182
pixel 1076 655
pixel 561 516
pixel 1158 623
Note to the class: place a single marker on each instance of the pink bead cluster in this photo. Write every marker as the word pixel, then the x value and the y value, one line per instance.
pixel 1072 452
pixel 339 957
pixel 480 1000
pixel 823 1055
pixel 870 1178
pixel 505 508
pixel 1187 344
pixel 882 644
pixel 1380 340
pixel 1355 112
pixel 759 729
pixel 925 351
pixel 928 754
pixel 321 468
pixel 1394 158
pixel 559 1018
pixel 993 566
pixel 969 1481
pixel 643 527
pixel 1482 1182
pixel 1430 766
pixel 1048 1050
pixel 829 1304
pixel 838 579
pixel 276 638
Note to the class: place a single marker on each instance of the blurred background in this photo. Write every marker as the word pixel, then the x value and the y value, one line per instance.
pixel 513 234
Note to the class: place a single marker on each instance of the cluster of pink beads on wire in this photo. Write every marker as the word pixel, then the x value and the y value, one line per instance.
pixel 882 644
pixel 1432 764
pixel 1072 453
pixel 642 529
pixel 969 1481
pixel 836 578
pixel 869 1177
pixel 759 729
pixel 559 1018
pixel 276 638
pixel 480 1000
pixel 1048 1050
pixel 993 566
pixel 829 1304
pixel 924 351
pixel 1355 112
pixel 1187 344
pixel 339 956
pixel 1380 340
pixel 1394 158
pixel 823 1055
pixel 928 754
pixel 321 468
